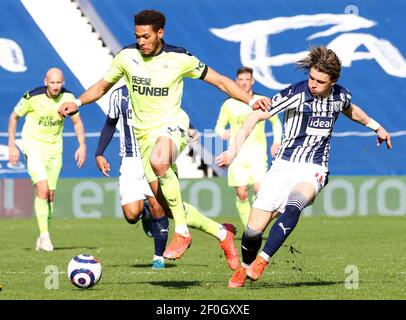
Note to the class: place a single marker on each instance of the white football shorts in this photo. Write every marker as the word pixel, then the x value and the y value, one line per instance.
pixel 280 180
pixel 133 184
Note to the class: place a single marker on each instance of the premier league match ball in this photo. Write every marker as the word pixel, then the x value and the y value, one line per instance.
pixel 84 271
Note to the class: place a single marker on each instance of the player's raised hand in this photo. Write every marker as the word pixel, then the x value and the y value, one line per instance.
pixel 263 104
pixel 67 108
pixel 80 155
pixel 13 155
pixel 224 159
pixel 383 135
pixel 274 149
pixel 103 165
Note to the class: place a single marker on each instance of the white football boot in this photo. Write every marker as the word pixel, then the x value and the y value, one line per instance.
pixel 45 242
pixel 38 244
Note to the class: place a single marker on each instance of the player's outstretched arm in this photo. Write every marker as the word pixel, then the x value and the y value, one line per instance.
pixel 94 93
pixel 274 149
pixel 225 158
pixel 356 114
pixel 383 135
pixel 104 140
pixel 13 152
pixel 103 165
pixel 234 91
pixel 80 154
pixel 277 134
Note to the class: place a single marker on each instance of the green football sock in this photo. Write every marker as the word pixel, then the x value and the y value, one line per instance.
pixel 197 220
pixel 243 208
pixel 171 190
pixel 41 209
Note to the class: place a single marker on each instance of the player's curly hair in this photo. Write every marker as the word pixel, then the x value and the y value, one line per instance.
pixel 152 18
pixel 323 60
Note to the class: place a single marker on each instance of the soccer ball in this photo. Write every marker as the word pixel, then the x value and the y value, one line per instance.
pixel 84 271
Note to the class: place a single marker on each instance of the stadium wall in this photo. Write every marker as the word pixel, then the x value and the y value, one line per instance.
pixel 367 35
pixel 97 198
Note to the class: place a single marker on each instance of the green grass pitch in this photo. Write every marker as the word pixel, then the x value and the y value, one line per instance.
pixel 320 260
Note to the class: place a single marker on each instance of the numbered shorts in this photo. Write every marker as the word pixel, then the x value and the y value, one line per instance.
pixel 133 185
pixel 244 173
pixel 42 167
pixel 280 180
pixel 147 143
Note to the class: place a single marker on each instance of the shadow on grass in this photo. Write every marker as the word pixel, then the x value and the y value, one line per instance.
pixel 316 283
pixel 163 284
pixel 170 265
pixel 175 284
pixel 71 248
pixel 148 265
pixel 141 266
pixel 66 248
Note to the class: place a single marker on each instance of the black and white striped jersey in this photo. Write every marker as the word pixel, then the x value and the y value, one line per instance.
pixel 308 122
pixel 120 108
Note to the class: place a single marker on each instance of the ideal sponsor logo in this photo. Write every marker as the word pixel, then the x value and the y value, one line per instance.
pixel 319 126
pixel 321 122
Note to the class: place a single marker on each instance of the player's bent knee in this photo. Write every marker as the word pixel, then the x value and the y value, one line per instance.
pixel 252 234
pixel 130 220
pixel 159 168
pixel 275 214
pixel 156 210
pixel 242 197
pixel 242 193
pixel 159 164
pixel 132 213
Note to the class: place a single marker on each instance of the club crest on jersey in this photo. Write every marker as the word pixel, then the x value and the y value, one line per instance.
pixel 276 98
pixel 319 126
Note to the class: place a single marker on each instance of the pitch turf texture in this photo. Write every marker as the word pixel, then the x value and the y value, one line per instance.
pixel 319 259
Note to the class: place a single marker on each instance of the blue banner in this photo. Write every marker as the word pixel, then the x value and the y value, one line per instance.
pixel 268 35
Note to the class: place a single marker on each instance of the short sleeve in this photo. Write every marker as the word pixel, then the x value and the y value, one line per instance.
pixel 346 97
pixel 222 120
pixel 116 70
pixel 23 106
pixel 192 67
pixel 114 105
pixel 282 96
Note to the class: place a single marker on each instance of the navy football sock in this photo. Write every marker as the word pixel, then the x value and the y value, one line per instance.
pixel 250 244
pixel 160 232
pixel 285 224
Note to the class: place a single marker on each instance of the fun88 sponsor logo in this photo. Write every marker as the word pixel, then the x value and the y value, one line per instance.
pixel 319 126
